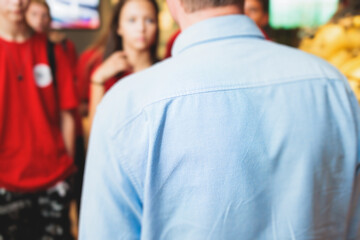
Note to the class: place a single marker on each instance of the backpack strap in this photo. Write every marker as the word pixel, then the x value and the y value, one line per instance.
pixel 51 59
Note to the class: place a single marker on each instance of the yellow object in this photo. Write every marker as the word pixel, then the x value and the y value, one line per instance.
pixel 346 21
pixel 340 58
pixel 356 21
pixel 329 39
pixel 355 86
pixel 350 66
pixel 306 44
pixel 339 44
pixel 353 38
pixel 355 72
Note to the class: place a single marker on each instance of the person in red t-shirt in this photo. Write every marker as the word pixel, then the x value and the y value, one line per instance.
pixel 134 34
pixel 170 43
pixel 39 18
pixel 258 11
pixel 88 60
pixel 36 131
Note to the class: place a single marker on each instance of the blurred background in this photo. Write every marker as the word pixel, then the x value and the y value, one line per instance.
pixel 327 28
pixel 84 20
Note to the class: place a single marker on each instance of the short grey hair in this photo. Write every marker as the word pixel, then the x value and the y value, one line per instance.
pixel 195 5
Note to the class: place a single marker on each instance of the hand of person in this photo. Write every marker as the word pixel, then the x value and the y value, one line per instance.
pixel 116 63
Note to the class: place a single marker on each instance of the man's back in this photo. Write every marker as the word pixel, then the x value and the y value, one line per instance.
pixel 232 138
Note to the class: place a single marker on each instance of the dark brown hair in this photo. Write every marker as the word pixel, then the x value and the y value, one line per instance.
pixel 195 5
pixel 114 42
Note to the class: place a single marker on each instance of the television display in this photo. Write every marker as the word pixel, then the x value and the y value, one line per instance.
pixel 290 14
pixel 74 14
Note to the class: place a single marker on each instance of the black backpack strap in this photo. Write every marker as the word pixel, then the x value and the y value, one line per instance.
pixel 51 59
pixel 64 45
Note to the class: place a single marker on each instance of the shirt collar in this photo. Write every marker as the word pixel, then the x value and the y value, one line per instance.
pixel 215 28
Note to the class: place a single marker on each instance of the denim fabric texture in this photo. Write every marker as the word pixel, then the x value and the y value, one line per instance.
pixel 234 137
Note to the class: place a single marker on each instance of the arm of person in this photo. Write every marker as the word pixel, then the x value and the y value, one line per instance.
pixel 113 65
pixel 67 98
pixel 68 130
pixel 111 207
pixel 97 91
pixel 353 216
pixel 354 211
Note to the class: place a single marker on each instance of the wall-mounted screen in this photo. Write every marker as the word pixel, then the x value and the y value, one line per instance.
pixel 74 14
pixel 301 13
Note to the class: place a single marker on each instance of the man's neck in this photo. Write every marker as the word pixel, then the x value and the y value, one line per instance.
pixel 189 19
pixel 14 31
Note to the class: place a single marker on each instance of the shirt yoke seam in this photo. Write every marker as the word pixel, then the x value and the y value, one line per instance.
pixel 216 39
pixel 131 175
pixel 209 90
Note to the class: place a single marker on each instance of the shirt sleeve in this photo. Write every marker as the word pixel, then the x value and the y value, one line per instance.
pixel 354 212
pixel 86 64
pixel 111 207
pixel 65 80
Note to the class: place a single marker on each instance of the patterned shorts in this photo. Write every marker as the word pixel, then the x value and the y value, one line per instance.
pixel 36 216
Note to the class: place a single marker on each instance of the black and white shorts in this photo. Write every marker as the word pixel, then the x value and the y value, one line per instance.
pixel 36 216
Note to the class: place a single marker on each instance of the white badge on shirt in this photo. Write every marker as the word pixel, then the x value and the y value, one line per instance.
pixel 42 74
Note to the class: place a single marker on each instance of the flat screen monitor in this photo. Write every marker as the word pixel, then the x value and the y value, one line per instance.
pixel 290 14
pixel 74 14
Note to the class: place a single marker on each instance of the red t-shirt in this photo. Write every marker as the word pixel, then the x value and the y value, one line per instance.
pixel 265 34
pixel 70 51
pixel 32 151
pixel 88 62
pixel 170 43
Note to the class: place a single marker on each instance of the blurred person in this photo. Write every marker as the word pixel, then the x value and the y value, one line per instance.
pixel 206 146
pixel 58 37
pixel 170 43
pixel 258 11
pixel 88 60
pixel 133 37
pixel 36 131
pixel 39 18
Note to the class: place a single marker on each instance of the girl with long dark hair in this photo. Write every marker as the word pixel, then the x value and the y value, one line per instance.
pixel 129 46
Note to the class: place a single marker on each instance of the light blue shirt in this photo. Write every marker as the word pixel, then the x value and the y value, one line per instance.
pixel 234 137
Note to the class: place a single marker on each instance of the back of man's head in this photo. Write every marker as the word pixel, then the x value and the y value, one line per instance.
pixel 193 6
